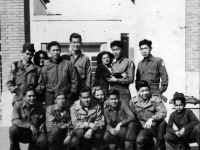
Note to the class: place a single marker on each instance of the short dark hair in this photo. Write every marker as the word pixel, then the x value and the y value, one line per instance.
pixel 37 54
pixel 75 35
pixel 100 55
pixel 145 42
pixel 113 92
pixel 53 43
pixel 183 100
pixel 86 89
pixel 117 43
pixel 141 84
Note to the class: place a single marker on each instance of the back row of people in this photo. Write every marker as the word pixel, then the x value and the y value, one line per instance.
pixel 70 73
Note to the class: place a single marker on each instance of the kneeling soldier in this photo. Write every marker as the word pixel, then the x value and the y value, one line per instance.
pixel 28 122
pixel 120 125
pixel 58 123
pixel 88 120
pixel 151 111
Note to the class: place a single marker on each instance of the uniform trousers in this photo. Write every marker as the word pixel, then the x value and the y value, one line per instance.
pixel 56 138
pixel 24 135
pixel 86 144
pixel 145 136
pixel 191 136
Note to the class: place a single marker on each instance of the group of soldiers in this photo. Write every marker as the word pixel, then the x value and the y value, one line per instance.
pixel 56 106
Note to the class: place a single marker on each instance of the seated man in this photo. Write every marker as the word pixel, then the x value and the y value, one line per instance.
pixel 58 123
pixel 87 120
pixel 150 111
pixel 186 122
pixel 28 122
pixel 120 125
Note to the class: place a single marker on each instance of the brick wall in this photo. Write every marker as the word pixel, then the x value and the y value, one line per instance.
pixel 192 36
pixel 15 29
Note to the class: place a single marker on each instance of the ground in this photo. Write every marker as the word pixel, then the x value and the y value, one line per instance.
pixel 4 142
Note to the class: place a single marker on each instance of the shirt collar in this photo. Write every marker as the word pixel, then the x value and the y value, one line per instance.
pixel 24 105
pixel 56 107
pixel 119 60
pixel 70 53
pixel 150 58
pixel 114 108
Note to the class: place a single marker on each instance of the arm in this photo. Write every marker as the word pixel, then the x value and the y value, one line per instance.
pixel 88 73
pixel 108 120
pixel 160 109
pixel 193 121
pixel 52 121
pixel 132 106
pixel 74 78
pixel 130 74
pixel 11 85
pixel 76 121
pixel 40 86
pixel 170 124
pixel 163 76
pixel 137 74
pixel 16 117
pixel 100 121
pixel 130 116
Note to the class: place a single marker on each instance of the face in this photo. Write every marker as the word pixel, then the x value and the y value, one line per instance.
pixel 85 99
pixel 144 93
pixel 100 95
pixel 145 50
pixel 117 51
pixel 55 52
pixel 30 98
pixel 179 106
pixel 60 100
pixel 27 55
pixel 106 59
pixel 113 100
pixel 75 44
pixel 41 59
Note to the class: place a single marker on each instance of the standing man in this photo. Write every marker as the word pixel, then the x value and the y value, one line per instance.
pixel 151 112
pixel 25 73
pixel 59 75
pixel 28 118
pixel 152 69
pixel 88 120
pixel 80 61
pixel 123 72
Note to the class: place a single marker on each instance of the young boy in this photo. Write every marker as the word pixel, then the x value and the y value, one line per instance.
pixel 186 122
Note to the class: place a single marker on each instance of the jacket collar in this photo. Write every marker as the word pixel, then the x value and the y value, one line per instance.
pixel 80 108
pixel 138 102
pixel 59 60
pixel 117 108
pixel 119 60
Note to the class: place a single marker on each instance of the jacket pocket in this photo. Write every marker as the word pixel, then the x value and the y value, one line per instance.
pixel 152 74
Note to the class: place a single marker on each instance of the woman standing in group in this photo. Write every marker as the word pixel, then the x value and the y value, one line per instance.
pixel 39 58
pixel 103 70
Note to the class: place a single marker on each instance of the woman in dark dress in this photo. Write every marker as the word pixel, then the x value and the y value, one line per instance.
pixel 39 58
pixel 103 70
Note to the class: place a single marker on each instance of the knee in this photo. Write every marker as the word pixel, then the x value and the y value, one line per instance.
pixel 13 129
pixel 166 137
pixel 98 135
pixel 54 131
pixel 140 140
pixel 106 137
pixel 196 128
pixel 74 142
pixel 42 140
pixel 80 133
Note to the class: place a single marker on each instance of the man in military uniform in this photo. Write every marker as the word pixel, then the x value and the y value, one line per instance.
pixel 151 112
pixel 152 69
pixel 80 61
pixel 120 125
pixel 25 73
pixel 87 120
pixel 59 75
pixel 123 72
pixel 28 118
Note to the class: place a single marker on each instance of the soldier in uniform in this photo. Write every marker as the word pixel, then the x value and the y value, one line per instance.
pixel 151 112
pixel 123 72
pixel 59 75
pixel 120 125
pixel 152 69
pixel 80 61
pixel 28 118
pixel 58 122
pixel 25 73
pixel 88 120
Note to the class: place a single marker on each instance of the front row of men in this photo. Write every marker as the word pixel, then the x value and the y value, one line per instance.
pixel 87 125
